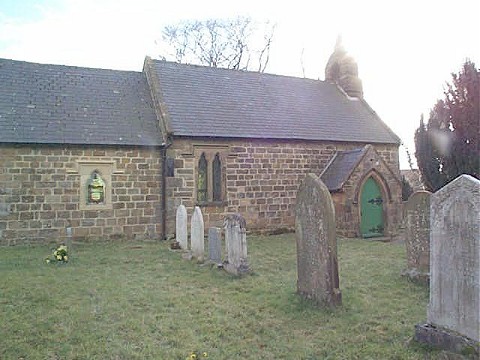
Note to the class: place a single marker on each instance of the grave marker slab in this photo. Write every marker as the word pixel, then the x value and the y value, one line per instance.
pixel 197 234
pixel 181 225
pixel 453 312
pixel 417 235
pixel 236 244
pixel 315 234
pixel 215 245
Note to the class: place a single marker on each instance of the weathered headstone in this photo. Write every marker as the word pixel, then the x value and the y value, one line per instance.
pixel 215 245
pixel 181 231
pixel 236 244
pixel 316 244
pixel 453 314
pixel 197 234
pixel 417 235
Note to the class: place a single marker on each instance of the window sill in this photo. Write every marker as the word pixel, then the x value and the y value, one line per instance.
pixel 212 204
pixel 107 206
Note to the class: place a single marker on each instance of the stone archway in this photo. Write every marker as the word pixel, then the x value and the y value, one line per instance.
pixel 346 176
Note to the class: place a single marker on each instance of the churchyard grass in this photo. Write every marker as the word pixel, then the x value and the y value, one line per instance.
pixel 143 301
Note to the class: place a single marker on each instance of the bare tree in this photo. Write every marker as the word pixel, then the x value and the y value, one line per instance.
pixel 226 43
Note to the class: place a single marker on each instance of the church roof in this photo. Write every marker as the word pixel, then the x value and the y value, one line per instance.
pixel 200 101
pixel 341 167
pixel 56 104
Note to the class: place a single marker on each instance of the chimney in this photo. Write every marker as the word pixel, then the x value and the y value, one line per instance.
pixel 342 70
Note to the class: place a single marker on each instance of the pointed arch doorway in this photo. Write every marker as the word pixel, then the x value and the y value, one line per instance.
pixel 371 213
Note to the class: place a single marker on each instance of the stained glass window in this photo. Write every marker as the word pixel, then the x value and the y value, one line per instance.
pixel 217 178
pixel 202 180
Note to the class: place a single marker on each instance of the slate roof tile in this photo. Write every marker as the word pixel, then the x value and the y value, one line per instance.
pixel 212 102
pixel 59 104
pixel 341 167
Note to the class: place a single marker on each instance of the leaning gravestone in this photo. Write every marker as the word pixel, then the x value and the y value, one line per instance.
pixel 453 312
pixel 316 244
pixel 417 235
pixel 197 234
pixel 236 244
pixel 215 245
pixel 181 227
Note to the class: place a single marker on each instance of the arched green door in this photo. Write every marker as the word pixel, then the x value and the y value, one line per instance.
pixel 371 223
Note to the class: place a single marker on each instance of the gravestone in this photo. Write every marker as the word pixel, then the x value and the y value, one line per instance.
pixel 181 231
pixel 417 235
pixel 215 245
pixel 197 234
pixel 453 312
pixel 236 245
pixel 315 234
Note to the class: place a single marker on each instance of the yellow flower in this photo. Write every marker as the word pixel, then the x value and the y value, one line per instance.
pixel 59 257
pixel 65 258
pixel 193 356
pixel 205 354
pixel 48 261
pixel 55 253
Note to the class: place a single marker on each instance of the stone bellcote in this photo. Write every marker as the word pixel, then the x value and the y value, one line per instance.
pixel 342 70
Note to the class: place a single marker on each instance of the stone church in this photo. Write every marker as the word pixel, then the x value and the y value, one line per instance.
pixel 107 154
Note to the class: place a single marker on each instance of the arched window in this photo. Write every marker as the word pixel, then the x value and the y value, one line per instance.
pixel 202 180
pixel 210 175
pixel 217 178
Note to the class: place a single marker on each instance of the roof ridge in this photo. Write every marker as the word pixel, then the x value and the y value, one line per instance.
pixel 66 66
pixel 219 69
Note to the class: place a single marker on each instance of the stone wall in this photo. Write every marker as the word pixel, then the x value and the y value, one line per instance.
pixel 379 165
pixel 261 178
pixel 40 187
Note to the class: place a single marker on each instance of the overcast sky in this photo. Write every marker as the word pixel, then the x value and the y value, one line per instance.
pixel 405 50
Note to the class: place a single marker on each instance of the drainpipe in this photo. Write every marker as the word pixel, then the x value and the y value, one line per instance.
pixel 167 144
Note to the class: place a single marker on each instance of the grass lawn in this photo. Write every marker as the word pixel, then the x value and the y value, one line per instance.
pixel 134 300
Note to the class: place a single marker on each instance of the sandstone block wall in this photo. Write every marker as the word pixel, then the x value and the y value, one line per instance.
pixel 40 193
pixel 347 202
pixel 261 178
pixel 40 187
